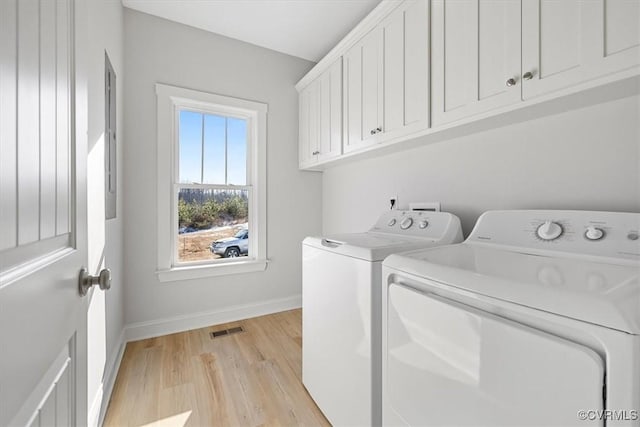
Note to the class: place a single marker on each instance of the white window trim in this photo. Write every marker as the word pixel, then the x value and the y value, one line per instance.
pixel 169 100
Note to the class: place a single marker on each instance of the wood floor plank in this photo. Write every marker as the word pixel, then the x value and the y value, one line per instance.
pixel 252 378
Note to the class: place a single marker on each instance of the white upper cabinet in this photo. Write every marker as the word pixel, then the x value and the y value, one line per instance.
pixel 321 117
pixel 414 67
pixel 363 92
pixel 475 57
pixel 387 78
pixel 330 144
pixel 406 69
pixel 572 41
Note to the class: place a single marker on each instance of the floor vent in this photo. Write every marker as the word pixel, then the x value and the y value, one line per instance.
pixel 224 332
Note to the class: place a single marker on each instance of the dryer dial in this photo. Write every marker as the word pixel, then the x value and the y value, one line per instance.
pixel 594 233
pixel 549 230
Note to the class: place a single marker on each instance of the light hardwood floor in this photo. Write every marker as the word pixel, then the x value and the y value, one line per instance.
pixel 252 378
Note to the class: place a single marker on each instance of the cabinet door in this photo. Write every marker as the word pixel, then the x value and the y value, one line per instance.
pixel 363 100
pixel 309 123
pixel 331 112
pixel 303 123
pixel 475 53
pixel 568 42
pixel 406 69
pixel 314 120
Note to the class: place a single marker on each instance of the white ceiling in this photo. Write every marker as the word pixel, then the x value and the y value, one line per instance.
pixel 304 28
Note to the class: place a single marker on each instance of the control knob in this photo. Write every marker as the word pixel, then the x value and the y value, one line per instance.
pixel 406 223
pixel 391 222
pixel 423 224
pixel 549 230
pixel 594 233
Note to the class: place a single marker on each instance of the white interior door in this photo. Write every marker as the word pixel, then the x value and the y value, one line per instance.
pixel 451 364
pixel 43 242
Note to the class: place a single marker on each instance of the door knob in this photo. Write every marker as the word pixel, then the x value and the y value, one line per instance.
pixel 86 281
pixel 528 75
pixel 511 82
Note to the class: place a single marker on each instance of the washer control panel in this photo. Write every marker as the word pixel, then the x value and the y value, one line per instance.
pixel 418 223
pixel 607 234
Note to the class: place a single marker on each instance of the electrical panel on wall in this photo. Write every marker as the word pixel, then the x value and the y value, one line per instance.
pixel 110 153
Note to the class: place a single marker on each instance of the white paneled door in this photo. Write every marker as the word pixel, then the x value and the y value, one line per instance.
pixel 43 231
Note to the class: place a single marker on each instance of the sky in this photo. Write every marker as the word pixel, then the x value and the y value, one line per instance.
pixel 190 137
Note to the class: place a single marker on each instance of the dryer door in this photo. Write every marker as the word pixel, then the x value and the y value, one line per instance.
pixel 451 364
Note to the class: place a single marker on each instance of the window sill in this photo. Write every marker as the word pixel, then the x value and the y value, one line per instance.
pixel 202 271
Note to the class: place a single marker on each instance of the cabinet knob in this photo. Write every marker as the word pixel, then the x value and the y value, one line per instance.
pixel 528 75
pixel 315 153
pixel 378 129
pixel 511 82
pixel 373 131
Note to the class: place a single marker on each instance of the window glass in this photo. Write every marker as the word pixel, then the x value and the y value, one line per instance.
pixel 190 137
pixel 214 149
pixel 237 151
pixel 212 221
pixel 212 224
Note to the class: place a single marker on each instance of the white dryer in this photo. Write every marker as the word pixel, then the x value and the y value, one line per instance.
pixel 533 320
pixel 341 309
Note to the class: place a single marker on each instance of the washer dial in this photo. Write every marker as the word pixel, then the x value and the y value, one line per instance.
pixel 549 230
pixel 391 222
pixel 594 233
pixel 406 223
pixel 423 224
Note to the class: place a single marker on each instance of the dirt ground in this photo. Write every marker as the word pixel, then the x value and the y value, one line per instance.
pixel 195 246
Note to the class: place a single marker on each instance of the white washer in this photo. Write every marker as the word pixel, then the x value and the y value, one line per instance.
pixel 534 318
pixel 341 309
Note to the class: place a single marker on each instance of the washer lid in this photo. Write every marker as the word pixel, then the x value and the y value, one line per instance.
pixel 369 246
pixel 596 292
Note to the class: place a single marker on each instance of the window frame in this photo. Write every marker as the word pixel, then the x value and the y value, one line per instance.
pixel 170 101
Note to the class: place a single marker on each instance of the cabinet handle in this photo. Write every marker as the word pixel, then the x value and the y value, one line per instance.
pixel 511 82
pixel 528 75
pixel 315 153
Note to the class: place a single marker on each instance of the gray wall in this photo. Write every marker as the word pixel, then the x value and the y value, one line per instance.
pixel 586 158
pixel 157 50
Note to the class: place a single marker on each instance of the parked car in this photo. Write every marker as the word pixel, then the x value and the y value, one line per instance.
pixel 231 247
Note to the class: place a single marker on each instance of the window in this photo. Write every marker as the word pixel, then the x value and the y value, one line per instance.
pixel 211 184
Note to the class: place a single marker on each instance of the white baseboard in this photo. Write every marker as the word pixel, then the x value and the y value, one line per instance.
pixel 111 371
pixel 171 325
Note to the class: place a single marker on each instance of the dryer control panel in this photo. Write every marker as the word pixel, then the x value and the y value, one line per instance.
pixel 603 234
